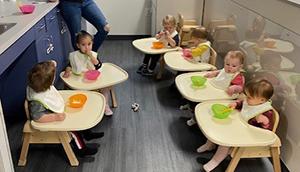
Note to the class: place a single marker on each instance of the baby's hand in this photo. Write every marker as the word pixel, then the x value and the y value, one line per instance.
pixel 67 72
pixel 209 75
pixel 230 91
pixel 60 116
pixel 232 105
pixel 94 60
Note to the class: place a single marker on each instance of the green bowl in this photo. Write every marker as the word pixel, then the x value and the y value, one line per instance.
pixel 295 79
pixel 221 111
pixel 198 81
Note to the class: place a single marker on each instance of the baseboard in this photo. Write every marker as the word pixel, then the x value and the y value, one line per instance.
pixel 126 37
pixel 283 167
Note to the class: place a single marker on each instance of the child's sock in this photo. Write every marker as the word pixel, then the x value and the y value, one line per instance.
pixel 108 111
pixel 218 157
pixel 208 146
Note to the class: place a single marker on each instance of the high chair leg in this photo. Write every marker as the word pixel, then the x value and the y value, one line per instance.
pixel 275 159
pixel 63 137
pixel 161 68
pixel 113 97
pixel 24 151
pixel 235 160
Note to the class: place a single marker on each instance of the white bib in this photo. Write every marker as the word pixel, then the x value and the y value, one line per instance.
pixel 81 62
pixel 223 79
pixel 51 99
pixel 248 112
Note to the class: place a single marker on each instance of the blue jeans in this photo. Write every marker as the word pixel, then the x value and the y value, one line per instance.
pixel 88 9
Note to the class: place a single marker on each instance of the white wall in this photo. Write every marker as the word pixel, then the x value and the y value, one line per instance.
pixel 129 17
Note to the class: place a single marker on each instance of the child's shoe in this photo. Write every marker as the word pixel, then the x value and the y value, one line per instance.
pixel 92 135
pixel 141 68
pixel 108 111
pixel 87 150
pixel 147 72
pixel 191 122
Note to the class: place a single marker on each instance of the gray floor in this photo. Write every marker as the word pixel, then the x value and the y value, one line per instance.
pixel 154 139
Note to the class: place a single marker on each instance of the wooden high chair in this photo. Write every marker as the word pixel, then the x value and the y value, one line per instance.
pixel 224 34
pixel 257 152
pixel 33 136
pixel 184 28
pixel 57 132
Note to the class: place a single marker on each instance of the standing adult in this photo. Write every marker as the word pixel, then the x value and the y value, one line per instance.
pixel 73 10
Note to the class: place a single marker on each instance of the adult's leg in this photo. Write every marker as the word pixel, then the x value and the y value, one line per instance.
pixel 92 13
pixel 71 12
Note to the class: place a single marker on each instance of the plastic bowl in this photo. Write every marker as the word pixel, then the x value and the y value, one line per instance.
pixel 221 111
pixel 92 74
pixel 269 43
pixel 157 45
pixel 27 8
pixel 198 81
pixel 187 53
pixel 77 100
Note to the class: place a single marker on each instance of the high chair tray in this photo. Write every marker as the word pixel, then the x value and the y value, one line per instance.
pixel 209 92
pixel 145 45
pixel 111 74
pixel 77 118
pixel 232 131
pixel 177 62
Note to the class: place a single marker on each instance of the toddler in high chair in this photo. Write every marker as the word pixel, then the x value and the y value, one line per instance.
pixel 255 108
pixel 169 36
pixel 200 51
pixel 85 59
pixel 229 78
pixel 45 104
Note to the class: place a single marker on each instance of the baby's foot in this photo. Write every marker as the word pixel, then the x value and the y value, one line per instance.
pixel 191 122
pixel 206 147
pixel 108 111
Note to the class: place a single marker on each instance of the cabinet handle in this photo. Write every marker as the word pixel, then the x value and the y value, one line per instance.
pixel 51 18
pixel 41 27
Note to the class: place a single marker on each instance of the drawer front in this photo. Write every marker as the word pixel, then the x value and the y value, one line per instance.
pixel 40 28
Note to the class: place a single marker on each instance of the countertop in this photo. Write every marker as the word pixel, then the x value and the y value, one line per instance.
pixel 10 13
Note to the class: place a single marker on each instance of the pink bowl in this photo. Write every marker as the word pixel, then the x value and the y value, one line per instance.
pixel 27 8
pixel 92 74
pixel 187 53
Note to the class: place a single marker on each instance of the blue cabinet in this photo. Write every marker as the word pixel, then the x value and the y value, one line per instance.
pixel 44 41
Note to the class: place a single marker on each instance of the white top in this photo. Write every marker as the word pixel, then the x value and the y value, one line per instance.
pixel 51 99
pixel 111 74
pixel 145 45
pixel 208 92
pixel 232 131
pixel 204 58
pixel 164 40
pixel 77 118
pixel 10 13
pixel 176 61
pixel 81 62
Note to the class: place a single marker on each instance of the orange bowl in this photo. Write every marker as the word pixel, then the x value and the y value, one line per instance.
pixel 157 45
pixel 269 43
pixel 77 100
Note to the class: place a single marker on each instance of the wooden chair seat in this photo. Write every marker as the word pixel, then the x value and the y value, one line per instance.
pixel 258 152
